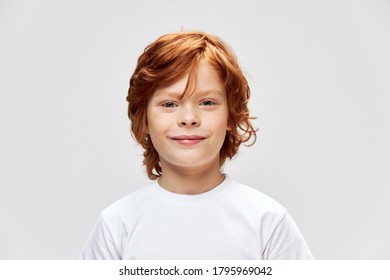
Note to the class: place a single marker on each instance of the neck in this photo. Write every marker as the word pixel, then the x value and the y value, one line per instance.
pixel 190 180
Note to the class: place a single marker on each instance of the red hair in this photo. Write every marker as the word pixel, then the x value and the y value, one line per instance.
pixel 165 61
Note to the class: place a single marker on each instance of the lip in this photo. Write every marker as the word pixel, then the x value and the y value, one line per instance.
pixel 188 139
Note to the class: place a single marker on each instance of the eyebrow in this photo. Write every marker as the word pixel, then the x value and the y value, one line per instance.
pixel 181 94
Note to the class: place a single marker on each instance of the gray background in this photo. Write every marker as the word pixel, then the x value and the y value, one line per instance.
pixel 319 73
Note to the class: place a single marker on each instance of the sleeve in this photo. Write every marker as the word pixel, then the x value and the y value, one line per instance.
pixel 101 244
pixel 287 242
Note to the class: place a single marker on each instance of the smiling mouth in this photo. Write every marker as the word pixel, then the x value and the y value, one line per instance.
pixel 188 139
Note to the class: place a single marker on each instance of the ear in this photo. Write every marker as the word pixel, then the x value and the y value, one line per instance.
pixel 146 126
pixel 229 126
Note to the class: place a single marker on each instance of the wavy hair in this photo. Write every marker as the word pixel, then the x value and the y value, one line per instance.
pixel 165 61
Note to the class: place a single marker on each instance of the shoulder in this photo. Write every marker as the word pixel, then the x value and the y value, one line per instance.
pixel 127 205
pixel 254 198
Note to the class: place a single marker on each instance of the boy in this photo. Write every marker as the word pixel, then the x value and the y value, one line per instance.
pixel 188 109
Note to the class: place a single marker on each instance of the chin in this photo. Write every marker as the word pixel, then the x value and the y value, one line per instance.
pixel 195 163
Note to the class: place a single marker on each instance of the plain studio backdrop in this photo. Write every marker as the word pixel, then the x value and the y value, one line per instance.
pixel 319 73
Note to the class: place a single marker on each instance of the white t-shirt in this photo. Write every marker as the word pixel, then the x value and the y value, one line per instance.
pixel 231 221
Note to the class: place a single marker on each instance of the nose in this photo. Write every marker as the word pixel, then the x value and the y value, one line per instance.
pixel 189 117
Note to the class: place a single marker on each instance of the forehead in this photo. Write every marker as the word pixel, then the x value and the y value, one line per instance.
pixel 204 78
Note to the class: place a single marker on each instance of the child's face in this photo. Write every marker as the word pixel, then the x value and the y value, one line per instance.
pixel 189 132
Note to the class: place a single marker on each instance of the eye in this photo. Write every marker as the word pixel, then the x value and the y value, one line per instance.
pixel 169 104
pixel 207 103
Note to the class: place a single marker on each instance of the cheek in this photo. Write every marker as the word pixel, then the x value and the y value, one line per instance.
pixel 158 126
pixel 221 120
pixel 151 118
